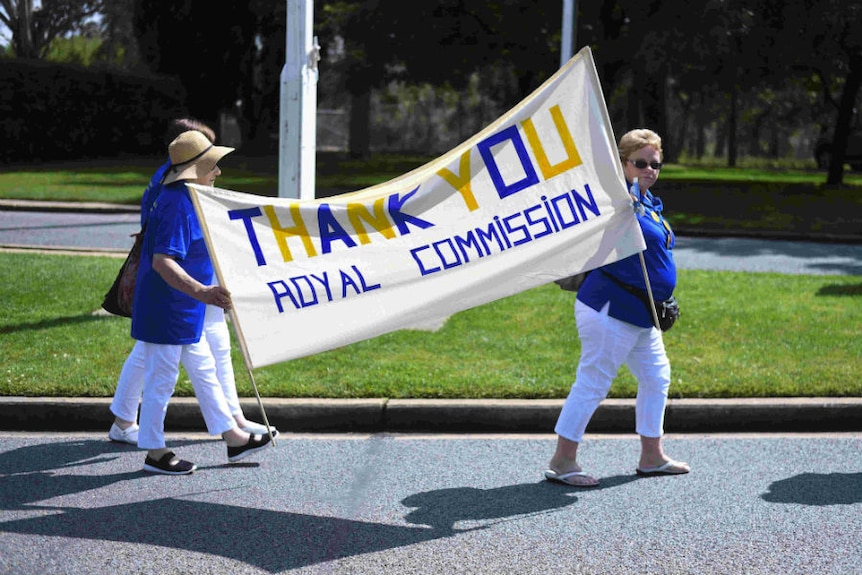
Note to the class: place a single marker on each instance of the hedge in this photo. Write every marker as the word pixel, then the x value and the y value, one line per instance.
pixel 54 112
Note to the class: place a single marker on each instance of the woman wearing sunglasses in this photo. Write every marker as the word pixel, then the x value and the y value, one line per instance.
pixel 616 328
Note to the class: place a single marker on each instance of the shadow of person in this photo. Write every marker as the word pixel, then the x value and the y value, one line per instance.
pixel 441 509
pixel 274 541
pixel 66 454
pixel 27 474
pixel 21 490
pixel 280 541
pixel 817 489
pixel 58 455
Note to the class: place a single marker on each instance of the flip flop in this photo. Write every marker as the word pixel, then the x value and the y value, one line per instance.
pixel 670 468
pixel 565 478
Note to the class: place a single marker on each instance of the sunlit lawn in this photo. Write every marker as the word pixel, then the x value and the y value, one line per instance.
pixel 740 335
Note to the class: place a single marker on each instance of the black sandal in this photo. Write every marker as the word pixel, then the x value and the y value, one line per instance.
pixel 255 443
pixel 169 464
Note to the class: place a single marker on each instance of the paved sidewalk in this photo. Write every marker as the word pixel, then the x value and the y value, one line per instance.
pixel 110 208
pixel 77 207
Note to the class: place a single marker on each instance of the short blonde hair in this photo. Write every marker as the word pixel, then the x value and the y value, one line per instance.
pixel 634 140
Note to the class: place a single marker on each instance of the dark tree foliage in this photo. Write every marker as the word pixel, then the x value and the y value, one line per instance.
pixel 440 42
pixel 261 95
pixel 119 46
pixel 744 71
pixel 834 29
pixel 211 56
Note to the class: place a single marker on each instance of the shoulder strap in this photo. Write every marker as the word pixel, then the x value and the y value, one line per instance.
pixel 641 295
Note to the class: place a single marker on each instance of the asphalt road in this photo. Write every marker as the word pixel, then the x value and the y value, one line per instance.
pixel 112 231
pixel 374 504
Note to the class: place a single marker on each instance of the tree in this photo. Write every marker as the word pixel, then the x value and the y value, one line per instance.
pixel 261 89
pixel 842 24
pixel 819 42
pixel 209 56
pixel 439 42
pixel 733 47
pixel 119 46
pixel 360 65
pixel 683 68
pixel 630 41
pixel 33 31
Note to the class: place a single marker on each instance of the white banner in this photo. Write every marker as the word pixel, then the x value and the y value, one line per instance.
pixel 537 195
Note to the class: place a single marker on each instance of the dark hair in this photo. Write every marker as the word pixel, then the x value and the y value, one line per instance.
pixel 180 125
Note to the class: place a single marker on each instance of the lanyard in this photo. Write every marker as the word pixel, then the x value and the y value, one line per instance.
pixel 654 206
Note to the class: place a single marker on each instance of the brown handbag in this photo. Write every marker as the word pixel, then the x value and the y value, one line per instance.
pixel 118 300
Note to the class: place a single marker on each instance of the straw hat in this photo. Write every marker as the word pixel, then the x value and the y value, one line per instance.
pixel 192 156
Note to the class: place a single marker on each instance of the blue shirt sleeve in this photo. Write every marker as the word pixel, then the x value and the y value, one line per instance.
pixel 172 235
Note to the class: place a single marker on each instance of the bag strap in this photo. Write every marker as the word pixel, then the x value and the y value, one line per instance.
pixel 641 295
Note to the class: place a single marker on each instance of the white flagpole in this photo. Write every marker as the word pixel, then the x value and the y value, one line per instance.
pixel 298 104
pixel 570 32
pixel 649 292
pixel 644 270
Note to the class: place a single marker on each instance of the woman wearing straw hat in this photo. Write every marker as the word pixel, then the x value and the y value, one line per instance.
pixel 173 287
pixel 130 383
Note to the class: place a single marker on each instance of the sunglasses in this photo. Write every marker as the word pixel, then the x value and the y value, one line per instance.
pixel 641 164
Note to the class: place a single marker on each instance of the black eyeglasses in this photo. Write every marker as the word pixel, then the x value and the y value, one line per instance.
pixel 641 164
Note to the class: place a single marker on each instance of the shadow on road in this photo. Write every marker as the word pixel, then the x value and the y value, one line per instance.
pixel 442 508
pixel 817 489
pixel 271 540
pixel 26 474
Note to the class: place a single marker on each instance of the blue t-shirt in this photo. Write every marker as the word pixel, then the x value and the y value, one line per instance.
pixel 160 313
pixel 598 289
pixel 152 192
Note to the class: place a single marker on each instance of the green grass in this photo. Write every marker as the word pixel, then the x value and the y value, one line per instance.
pixel 740 335
pixel 752 170
pixel 772 208
pixel 123 181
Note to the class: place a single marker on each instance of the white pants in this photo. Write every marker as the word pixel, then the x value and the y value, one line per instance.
pixel 217 337
pixel 130 384
pixel 607 344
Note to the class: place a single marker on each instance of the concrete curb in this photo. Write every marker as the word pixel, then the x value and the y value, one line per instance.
pixel 456 416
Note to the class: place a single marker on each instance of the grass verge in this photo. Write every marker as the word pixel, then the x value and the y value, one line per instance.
pixel 740 335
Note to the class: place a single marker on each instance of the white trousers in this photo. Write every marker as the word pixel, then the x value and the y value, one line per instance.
pixel 216 337
pixel 606 345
